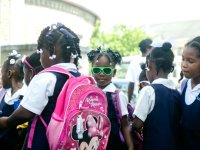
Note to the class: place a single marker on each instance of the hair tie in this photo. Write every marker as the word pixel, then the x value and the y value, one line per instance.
pixel 74 56
pixel 12 61
pixel 52 57
pixel 40 51
pixel 13 56
pixel 28 64
pixel 14 53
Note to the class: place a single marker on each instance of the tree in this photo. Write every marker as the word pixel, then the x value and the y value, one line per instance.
pixel 123 39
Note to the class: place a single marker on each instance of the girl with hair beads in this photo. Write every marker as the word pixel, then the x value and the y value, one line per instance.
pixel 12 80
pixel 103 69
pixel 158 106
pixel 58 46
pixel 190 122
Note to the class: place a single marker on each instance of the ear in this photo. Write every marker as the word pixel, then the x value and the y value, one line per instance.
pixel 150 65
pixel 10 73
pixel 114 72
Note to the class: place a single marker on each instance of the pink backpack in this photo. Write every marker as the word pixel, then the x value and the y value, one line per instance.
pixel 79 120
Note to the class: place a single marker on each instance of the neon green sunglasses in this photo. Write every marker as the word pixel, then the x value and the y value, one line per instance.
pixel 105 70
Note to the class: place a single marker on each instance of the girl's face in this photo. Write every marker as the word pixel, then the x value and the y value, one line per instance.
pixel 190 64
pixel 44 58
pixel 103 76
pixel 5 76
pixel 150 73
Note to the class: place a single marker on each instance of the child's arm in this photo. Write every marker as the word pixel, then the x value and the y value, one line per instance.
pixel 137 124
pixel 19 116
pixel 126 133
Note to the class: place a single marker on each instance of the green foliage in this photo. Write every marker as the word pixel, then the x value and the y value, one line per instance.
pixel 123 39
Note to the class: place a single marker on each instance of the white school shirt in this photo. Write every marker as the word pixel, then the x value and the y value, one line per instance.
pixel 123 101
pixel 191 94
pixel 146 99
pixel 41 87
pixel 9 98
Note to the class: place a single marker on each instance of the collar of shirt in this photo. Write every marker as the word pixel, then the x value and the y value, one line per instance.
pixel 9 98
pixel 166 82
pixel 8 95
pixel 189 86
pixel 109 88
pixel 67 66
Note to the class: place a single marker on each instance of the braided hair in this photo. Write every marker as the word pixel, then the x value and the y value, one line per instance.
pixel 163 58
pixel 14 62
pixel 59 35
pixel 113 57
pixel 32 62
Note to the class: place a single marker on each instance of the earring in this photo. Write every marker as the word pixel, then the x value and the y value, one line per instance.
pixel 52 57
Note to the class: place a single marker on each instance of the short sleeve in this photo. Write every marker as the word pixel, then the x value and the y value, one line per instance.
pixel 130 75
pixel 123 101
pixel 145 103
pixel 40 88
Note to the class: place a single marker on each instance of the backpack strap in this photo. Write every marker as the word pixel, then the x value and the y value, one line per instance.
pixel 57 69
pixel 63 71
pixel 116 103
pixel 32 130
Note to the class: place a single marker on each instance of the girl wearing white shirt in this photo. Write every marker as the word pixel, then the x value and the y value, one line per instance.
pixel 58 46
pixel 158 106
pixel 103 69
pixel 12 80
pixel 190 122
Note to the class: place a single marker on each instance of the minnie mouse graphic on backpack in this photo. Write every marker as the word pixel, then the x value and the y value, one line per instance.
pixel 92 135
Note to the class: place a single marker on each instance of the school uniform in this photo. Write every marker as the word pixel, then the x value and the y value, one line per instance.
pixel 114 142
pixel 158 107
pixel 41 98
pixel 190 116
pixel 9 137
pixel 2 93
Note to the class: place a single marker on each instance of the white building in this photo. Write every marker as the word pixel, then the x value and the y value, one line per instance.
pixel 21 22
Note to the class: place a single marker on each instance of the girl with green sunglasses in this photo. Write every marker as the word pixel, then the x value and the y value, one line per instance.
pixel 103 69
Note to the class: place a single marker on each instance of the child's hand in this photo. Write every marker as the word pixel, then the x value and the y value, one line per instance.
pixel 3 122
pixel 131 148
